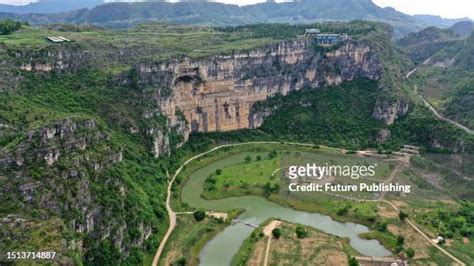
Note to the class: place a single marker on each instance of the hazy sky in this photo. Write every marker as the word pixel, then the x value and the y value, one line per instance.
pixel 444 8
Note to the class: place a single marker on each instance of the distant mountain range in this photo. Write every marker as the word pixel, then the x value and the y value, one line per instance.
pixel 121 14
pixel 50 6
pixel 423 44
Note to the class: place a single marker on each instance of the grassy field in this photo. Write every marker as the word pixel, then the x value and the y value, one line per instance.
pixel 151 41
pixel 261 173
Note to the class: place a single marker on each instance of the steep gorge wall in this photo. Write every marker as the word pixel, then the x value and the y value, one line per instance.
pixel 218 93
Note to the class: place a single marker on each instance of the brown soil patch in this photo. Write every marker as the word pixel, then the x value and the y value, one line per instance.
pixel 316 249
pixel 269 228
pixel 386 211
pixel 399 204
pixel 219 215
pixel 394 229
pixel 449 242
pixel 465 240
pixel 412 239
pixel 258 253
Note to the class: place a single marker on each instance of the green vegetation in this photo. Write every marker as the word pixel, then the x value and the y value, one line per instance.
pixel 353 261
pixel 446 81
pixel 423 44
pixel 247 177
pixel 276 233
pixel 410 253
pixel 199 215
pixel 107 175
pixel 402 216
pixel 331 116
pixel 387 239
pixel 301 232
pixel 8 26
pixel 450 224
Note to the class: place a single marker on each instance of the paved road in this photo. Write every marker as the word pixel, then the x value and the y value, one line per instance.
pixel 433 110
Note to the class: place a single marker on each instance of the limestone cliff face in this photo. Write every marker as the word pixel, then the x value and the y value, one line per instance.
pixel 217 94
pixel 388 112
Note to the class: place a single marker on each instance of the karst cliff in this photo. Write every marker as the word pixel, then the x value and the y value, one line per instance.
pixel 218 93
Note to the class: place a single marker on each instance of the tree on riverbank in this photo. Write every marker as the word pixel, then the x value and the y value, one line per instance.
pixel 276 233
pixel 199 215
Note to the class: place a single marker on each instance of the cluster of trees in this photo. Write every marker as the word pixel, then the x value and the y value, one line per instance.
pixel 268 188
pixel 210 183
pixel 8 26
pixel 329 117
pixel 299 230
pixel 461 222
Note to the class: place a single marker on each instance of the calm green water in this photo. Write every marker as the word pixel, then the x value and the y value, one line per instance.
pixel 221 249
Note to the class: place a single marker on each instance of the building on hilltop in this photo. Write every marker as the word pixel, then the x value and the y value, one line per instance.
pixel 327 38
pixel 330 38
pixel 310 32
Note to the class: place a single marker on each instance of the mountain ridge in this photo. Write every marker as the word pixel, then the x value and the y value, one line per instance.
pixel 126 14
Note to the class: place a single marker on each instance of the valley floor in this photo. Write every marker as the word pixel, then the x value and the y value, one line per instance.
pixel 251 169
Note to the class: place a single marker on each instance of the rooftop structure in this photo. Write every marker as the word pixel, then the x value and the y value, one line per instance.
pixel 57 39
pixel 328 38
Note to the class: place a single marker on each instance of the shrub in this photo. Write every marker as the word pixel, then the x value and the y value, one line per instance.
pixel 301 232
pixel 402 216
pixel 410 253
pixel 247 159
pixel 199 215
pixel 382 226
pixel 353 262
pixel 276 233
pixel 400 240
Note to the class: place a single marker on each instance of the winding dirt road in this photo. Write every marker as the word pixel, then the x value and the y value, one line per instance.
pixel 413 225
pixel 435 112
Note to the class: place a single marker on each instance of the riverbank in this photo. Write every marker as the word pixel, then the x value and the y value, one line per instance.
pixel 190 236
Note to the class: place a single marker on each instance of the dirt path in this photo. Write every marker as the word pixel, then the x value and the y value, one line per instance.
pixel 435 112
pixel 267 231
pixel 393 174
pixel 267 251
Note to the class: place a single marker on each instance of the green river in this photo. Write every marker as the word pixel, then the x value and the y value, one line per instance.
pixel 221 249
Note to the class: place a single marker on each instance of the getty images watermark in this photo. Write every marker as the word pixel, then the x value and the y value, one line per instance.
pixel 311 177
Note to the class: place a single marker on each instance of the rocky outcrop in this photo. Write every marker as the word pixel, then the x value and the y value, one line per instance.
pixel 388 111
pixel 218 93
pixel 55 171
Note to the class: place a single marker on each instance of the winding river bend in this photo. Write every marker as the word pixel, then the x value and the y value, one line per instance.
pixel 221 249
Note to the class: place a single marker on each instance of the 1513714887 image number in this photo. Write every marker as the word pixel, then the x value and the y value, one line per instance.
pixel 32 255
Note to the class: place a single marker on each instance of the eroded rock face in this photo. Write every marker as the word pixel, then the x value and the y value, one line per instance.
pixel 388 112
pixel 218 93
